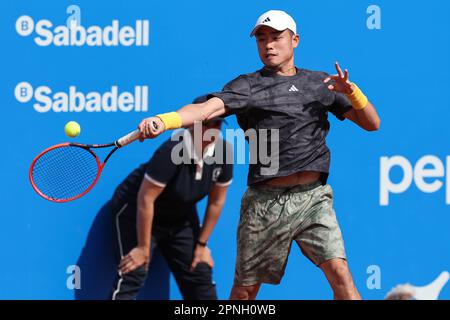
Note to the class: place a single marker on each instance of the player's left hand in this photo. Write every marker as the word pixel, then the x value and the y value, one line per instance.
pixel 341 82
pixel 202 255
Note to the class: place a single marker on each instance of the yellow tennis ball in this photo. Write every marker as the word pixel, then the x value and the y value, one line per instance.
pixel 72 129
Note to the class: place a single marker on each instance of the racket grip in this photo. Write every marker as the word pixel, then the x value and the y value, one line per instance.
pixel 127 139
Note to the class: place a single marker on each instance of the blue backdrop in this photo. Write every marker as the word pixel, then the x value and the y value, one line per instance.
pixel 394 213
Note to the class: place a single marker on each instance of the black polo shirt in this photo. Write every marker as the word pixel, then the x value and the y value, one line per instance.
pixel 184 184
pixel 296 105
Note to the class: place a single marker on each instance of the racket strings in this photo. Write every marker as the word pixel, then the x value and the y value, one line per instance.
pixel 65 172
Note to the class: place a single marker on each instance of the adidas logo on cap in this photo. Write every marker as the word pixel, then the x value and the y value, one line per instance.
pixel 276 19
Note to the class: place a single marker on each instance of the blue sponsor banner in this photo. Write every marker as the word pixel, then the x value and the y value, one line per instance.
pixel 109 64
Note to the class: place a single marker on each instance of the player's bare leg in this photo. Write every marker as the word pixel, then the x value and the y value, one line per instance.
pixel 340 279
pixel 244 293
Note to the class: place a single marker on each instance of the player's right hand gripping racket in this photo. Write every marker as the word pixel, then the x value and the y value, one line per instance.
pixel 67 171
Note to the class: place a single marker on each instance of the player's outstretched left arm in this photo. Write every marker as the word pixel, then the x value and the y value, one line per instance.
pixel 363 112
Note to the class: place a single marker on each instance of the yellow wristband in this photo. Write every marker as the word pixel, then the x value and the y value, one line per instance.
pixel 171 120
pixel 357 98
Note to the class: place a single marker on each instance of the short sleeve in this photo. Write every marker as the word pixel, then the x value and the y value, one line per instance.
pixel 161 169
pixel 340 105
pixel 235 94
pixel 226 177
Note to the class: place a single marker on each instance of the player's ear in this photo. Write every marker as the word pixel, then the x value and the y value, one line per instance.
pixel 295 40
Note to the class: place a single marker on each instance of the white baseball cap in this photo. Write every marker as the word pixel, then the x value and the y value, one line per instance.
pixel 277 19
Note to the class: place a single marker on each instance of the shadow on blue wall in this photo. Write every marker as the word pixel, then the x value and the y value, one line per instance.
pixel 98 263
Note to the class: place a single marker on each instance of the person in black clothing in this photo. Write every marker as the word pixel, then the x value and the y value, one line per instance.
pixel 156 206
pixel 291 201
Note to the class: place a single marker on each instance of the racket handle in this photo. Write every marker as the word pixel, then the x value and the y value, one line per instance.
pixel 127 139
pixel 132 136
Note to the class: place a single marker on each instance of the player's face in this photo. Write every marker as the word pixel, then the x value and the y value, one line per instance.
pixel 275 48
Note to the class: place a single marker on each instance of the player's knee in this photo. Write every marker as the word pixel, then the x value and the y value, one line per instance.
pixel 244 293
pixel 337 270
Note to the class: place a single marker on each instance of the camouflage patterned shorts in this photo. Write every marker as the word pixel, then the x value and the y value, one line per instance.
pixel 272 217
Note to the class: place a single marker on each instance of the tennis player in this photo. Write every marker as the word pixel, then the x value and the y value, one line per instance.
pixel 155 206
pixel 295 202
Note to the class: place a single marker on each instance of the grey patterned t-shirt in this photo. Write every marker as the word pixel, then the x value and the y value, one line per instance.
pixel 296 105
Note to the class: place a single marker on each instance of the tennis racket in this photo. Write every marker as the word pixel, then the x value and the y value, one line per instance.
pixel 67 171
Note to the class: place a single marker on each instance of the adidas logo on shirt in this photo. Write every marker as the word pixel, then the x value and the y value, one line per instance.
pixel 293 88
